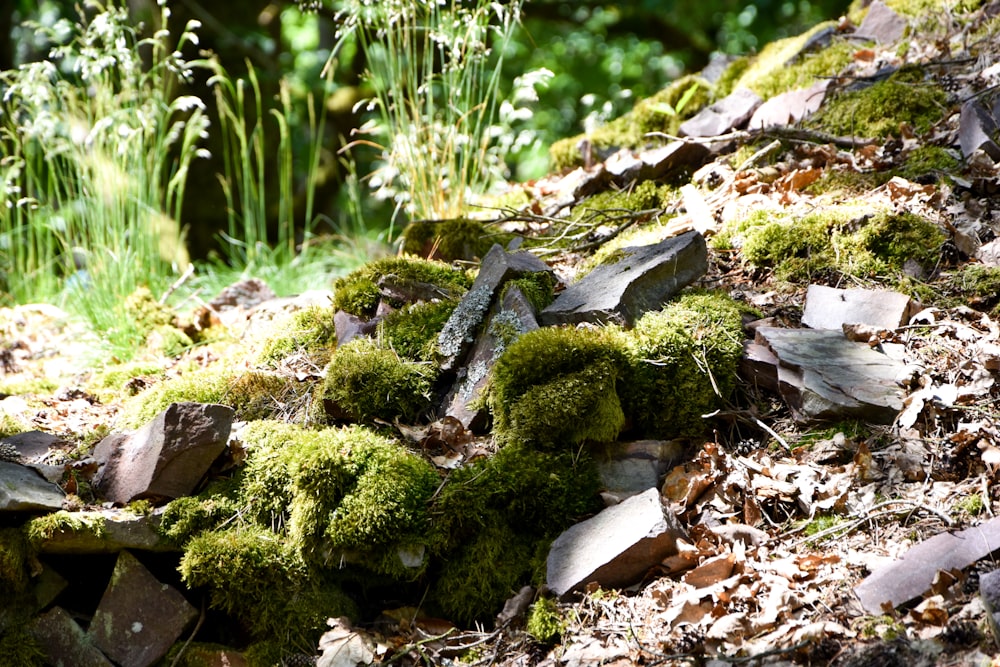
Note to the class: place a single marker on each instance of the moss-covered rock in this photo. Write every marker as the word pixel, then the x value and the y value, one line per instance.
pixel 450 240
pixel 358 292
pixel 412 331
pixel 366 381
pixel 309 331
pixel 782 66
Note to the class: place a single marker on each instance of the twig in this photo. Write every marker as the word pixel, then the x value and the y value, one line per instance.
pixel 870 515
pixel 188 272
pixel 197 627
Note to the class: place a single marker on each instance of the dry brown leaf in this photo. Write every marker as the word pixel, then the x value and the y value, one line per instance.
pixel 712 571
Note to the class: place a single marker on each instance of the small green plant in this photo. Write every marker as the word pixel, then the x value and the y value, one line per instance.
pixel 972 505
pixel 545 622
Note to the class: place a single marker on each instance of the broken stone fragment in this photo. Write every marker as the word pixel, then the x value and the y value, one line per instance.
pixel 24 490
pixel 822 375
pixel 63 641
pixel 349 327
pixel 790 107
pixel 989 593
pixel 881 24
pixel 616 547
pixel 167 457
pixel 139 618
pixel 658 162
pixel 978 129
pixel 642 280
pixel 107 532
pixel 726 115
pixel 499 266
pixel 630 468
pixel 831 308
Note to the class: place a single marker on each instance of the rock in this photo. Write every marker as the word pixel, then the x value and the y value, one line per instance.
pixel 64 642
pixel 642 280
pixel 138 618
pixel 47 585
pixel 726 115
pixel 499 266
pixel 24 490
pixel 822 375
pixel 616 547
pixel 630 468
pixel 33 445
pixel 989 253
pixel 624 166
pixel 659 162
pixel 989 593
pixel 511 318
pixel 977 127
pixel 914 573
pixel 108 532
pixel 881 24
pixel 789 108
pixel 243 294
pixel 831 308
pixel 349 327
pixel 167 457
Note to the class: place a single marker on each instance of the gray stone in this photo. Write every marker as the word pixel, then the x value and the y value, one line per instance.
pixel 822 375
pixel 349 327
pixel 643 280
pixel 624 166
pixel 630 468
pixel 659 162
pixel 616 547
pixel 23 490
pixel 64 642
pixel 989 253
pixel 108 532
pixel 167 457
pixel 499 266
pixel 831 308
pixel 978 129
pixel 47 585
pixel 245 294
pixel 726 115
pixel 989 593
pixel 790 107
pixel 33 445
pixel 881 24
pixel 138 618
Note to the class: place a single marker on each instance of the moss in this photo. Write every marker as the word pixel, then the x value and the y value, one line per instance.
pixel 929 161
pixel 642 197
pixel 146 311
pixel 978 285
pixel 539 288
pixel 309 331
pixel 775 69
pixel 365 381
pixel 552 364
pixel 972 505
pixel 848 182
pixel 113 382
pixel 199 654
pixel 358 292
pixel 684 361
pixel 189 516
pixel 450 240
pixel 43 528
pixel 822 522
pixel 19 649
pixel 879 110
pixel 412 331
pixel 11 425
pixel 726 83
pixel 14 556
pixel 545 622
pixel 255 578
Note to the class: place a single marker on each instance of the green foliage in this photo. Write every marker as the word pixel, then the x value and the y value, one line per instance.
pixel 545 622
pixel 256 579
pixel 19 649
pixel 358 292
pixel 412 331
pixel 881 109
pixel 47 526
pixel 972 505
pixel 365 381
pixel 309 331
pixel 189 516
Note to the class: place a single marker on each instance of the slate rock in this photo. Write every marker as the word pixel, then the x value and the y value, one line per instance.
pixel 624 166
pixel 790 107
pixel 167 457
pixel 46 586
pixel 24 490
pixel 989 253
pixel 616 547
pixel 642 280
pixel 349 327
pixel 831 308
pixel 498 267
pixel 659 162
pixel 979 129
pixel 139 618
pixel 726 115
pixel 64 642
pixel 881 24
pixel 33 445
pixel 630 468
pixel 914 572
pixel 119 530
pixel 822 375
pixel 510 319
pixel 245 294
pixel 989 593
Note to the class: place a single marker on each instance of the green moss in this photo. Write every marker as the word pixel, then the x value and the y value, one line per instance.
pixel 365 381
pixel 186 517
pixel 255 578
pixel 972 505
pixel 848 181
pixel 208 385
pixel 802 73
pixel 879 110
pixel 977 285
pixel 146 311
pixel 684 361
pixel 538 288
pixel 309 331
pixel 929 160
pixel 111 383
pixel 19 649
pixel 14 556
pixel 450 240
pixel 642 197
pixel 11 425
pixel 358 292
pixel 412 331
pixel 545 622
pixel 43 528
pixel 822 522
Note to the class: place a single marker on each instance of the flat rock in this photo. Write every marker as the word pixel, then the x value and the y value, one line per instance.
pixel 989 253
pixel 831 308
pixel 109 531
pixel 659 162
pixel 822 375
pixel 790 107
pixel 642 280
pixel 24 490
pixel 989 593
pixel 167 457
pixel 726 115
pixel 616 547
pixel 913 574
pixel 630 468
pixel 33 445
pixel 139 618
pixel 64 642
pixel 977 127
pixel 881 24
pixel 349 327
pixel 499 266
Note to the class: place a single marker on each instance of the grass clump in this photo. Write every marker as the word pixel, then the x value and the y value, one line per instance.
pixel 358 292
pixel 365 381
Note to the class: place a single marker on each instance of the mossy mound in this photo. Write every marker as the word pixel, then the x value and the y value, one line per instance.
pixel 782 66
pixel 412 331
pixel 309 331
pixel 450 240
pixel 366 381
pixel 358 292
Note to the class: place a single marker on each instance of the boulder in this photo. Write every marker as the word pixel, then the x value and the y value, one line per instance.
pixel 139 618
pixel 24 490
pixel 642 280
pixel 616 547
pixel 831 308
pixel 167 457
pixel 64 642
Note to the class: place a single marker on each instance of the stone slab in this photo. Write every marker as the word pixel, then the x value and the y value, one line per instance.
pixel 726 115
pixel 119 530
pixel 831 308
pixel 64 642
pixel 881 24
pixel 24 490
pixel 978 129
